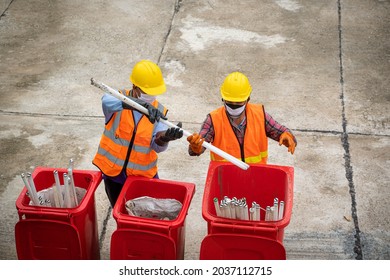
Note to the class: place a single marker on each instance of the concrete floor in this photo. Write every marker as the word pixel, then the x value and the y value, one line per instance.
pixel 320 67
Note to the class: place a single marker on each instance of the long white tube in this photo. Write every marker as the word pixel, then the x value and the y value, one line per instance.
pixel 33 189
pixel 276 209
pixel 142 109
pixel 57 186
pixel 72 185
pixel 67 198
pixel 216 206
pixel 32 193
pixel 281 210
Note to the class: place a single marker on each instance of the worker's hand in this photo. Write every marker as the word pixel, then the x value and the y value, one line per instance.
pixel 173 133
pixel 287 140
pixel 196 142
pixel 154 114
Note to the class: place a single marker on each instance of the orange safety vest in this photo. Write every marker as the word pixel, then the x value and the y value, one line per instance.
pixel 127 145
pixel 255 146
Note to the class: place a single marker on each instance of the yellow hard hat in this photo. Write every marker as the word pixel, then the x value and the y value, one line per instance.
pixel 236 87
pixel 148 77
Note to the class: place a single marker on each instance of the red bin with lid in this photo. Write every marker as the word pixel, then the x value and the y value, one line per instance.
pixel 49 233
pixel 141 238
pixel 261 184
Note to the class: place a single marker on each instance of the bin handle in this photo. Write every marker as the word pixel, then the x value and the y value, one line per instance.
pixel 148 224
pixel 49 213
pixel 267 228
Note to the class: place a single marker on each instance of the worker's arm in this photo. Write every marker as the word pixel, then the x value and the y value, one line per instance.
pixel 110 105
pixel 280 133
pixel 159 129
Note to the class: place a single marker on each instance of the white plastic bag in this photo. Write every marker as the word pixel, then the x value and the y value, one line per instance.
pixel 46 196
pixel 156 208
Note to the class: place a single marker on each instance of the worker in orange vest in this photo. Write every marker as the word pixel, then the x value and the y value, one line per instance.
pixel 131 140
pixel 240 128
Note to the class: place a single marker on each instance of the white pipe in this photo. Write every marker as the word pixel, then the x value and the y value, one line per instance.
pixel 67 199
pixel 216 205
pixel 246 214
pixel 142 109
pixel 30 192
pixel 252 214
pixel 33 189
pixel 281 210
pixel 276 209
pixel 57 186
pixel 72 185
pixel 268 214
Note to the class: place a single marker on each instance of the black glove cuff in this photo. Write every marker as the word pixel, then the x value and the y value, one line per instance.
pixel 126 106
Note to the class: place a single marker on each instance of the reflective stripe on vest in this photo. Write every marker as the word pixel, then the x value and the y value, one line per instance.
pixel 121 134
pixel 255 146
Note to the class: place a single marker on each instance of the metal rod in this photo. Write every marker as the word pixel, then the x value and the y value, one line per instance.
pixel 142 109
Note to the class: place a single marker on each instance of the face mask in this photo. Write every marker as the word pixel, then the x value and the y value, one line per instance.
pixel 235 112
pixel 148 98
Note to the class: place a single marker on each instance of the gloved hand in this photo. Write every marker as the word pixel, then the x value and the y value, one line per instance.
pixel 173 133
pixel 287 140
pixel 154 113
pixel 196 142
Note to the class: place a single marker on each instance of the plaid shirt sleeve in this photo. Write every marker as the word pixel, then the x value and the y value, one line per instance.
pixel 274 129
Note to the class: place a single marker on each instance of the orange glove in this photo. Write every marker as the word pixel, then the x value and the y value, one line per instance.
pixel 196 142
pixel 287 140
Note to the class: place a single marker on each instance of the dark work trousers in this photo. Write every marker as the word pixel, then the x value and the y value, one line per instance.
pixel 113 189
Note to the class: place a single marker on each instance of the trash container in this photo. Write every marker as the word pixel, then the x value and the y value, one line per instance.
pixel 49 233
pixel 143 238
pixel 261 184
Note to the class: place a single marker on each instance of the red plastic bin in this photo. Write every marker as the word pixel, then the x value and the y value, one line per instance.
pixel 49 233
pixel 260 183
pixel 140 238
pixel 226 246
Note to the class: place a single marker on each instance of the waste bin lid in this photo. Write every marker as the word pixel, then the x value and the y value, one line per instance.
pixel 46 240
pixel 240 247
pixel 134 244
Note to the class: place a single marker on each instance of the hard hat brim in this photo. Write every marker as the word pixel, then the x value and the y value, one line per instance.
pixel 235 99
pixel 154 91
pixel 228 97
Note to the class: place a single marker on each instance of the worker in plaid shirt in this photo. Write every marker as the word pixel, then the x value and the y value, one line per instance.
pixel 240 128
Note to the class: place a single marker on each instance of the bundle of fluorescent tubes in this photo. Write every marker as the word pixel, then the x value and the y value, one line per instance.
pixel 60 195
pixel 234 208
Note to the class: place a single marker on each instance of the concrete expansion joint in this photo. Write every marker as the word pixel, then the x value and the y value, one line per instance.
pixel 104 229
pixel 4 11
pixel 345 144
pixel 175 11
pixel 67 116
